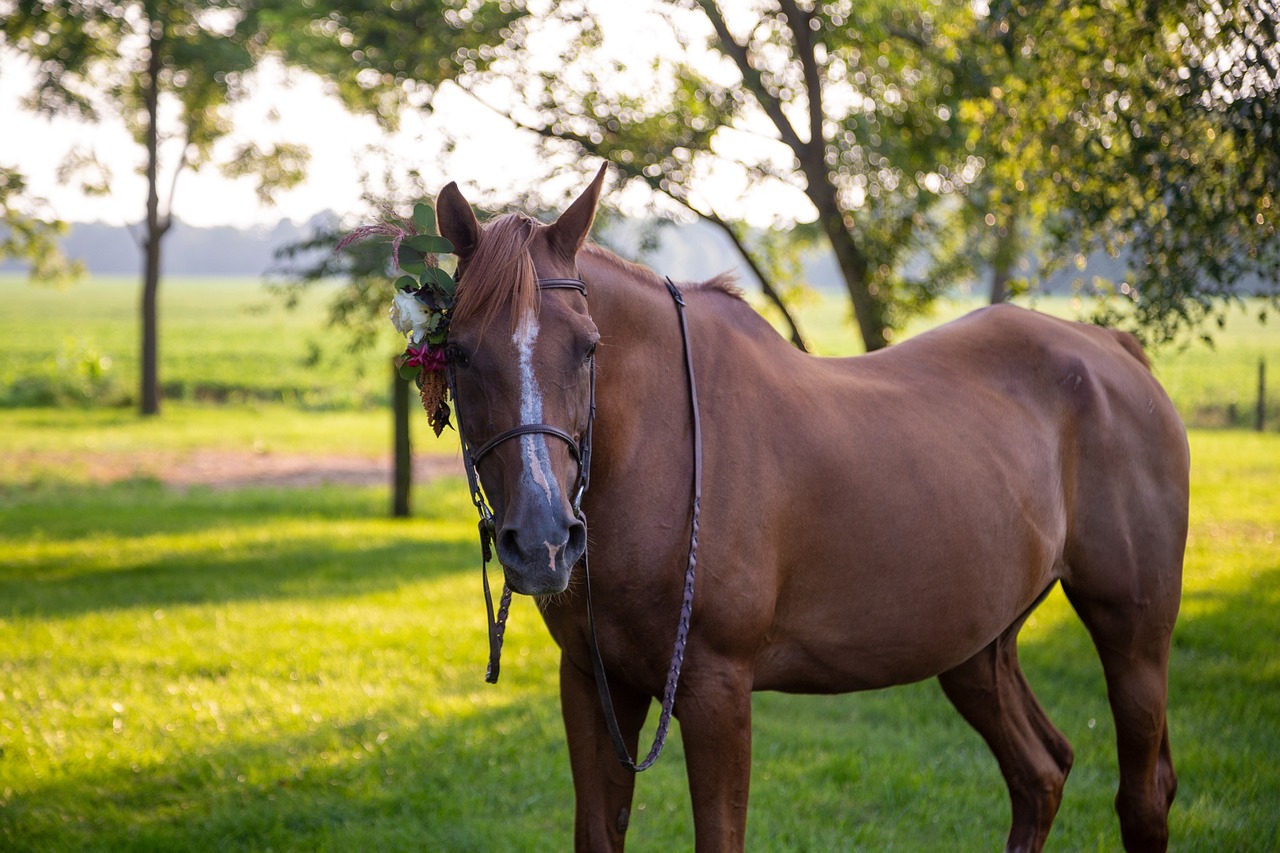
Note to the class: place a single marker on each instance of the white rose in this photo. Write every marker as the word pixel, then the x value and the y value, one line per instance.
pixel 409 315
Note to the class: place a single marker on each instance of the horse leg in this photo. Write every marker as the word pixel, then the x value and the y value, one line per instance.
pixel 1133 643
pixel 714 709
pixel 991 693
pixel 602 787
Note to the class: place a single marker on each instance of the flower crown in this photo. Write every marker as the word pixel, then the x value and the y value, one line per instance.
pixel 422 304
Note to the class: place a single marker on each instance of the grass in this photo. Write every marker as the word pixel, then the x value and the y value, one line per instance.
pixel 229 340
pixel 221 339
pixel 289 670
pixel 1212 386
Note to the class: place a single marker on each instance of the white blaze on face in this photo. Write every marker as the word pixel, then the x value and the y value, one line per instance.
pixel 532 447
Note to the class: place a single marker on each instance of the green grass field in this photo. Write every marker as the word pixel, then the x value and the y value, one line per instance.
pixel 290 670
pixel 229 340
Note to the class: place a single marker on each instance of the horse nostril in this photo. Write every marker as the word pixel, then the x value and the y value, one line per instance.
pixel 508 541
pixel 577 540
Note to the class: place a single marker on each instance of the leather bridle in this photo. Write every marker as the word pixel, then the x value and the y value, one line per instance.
pixel 471 458
pixel 581 451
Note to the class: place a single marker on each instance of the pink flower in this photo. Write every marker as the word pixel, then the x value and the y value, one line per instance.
pixel 427 357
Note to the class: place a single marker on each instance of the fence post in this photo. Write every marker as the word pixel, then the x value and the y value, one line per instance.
pixel 1260 415
pixel 402 467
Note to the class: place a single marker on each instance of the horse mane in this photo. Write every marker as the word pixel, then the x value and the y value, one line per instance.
pixel 500 269
pixel 725 282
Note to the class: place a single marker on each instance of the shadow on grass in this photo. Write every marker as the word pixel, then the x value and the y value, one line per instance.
pixel 896 769
pixel 139 545
pixel 497 779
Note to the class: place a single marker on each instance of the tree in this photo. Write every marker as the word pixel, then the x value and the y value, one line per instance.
pixel 1150 129
pixel 934 140
pixel 28 233
pixel 359 45
pixel 168 70
pixel 855 113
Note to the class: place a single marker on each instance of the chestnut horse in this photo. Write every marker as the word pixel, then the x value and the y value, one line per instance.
pixel 865 521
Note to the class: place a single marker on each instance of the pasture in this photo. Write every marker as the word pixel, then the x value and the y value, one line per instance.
pixel 288 669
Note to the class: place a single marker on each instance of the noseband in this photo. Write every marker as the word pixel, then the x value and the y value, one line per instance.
pixel 581 451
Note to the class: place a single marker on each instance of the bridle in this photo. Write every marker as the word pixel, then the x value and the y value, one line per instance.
pixel 471 458
pixel 581 451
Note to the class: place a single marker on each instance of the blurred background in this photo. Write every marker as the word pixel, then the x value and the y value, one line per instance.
pixel 214 633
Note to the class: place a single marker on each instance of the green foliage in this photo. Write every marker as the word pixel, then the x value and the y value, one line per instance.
pixel 1143 131
pixel 29 235
pixel 940 141
pixel 224 340
pixel 93 61
pixel 383 58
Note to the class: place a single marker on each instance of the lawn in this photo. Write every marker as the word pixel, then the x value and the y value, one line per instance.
pixel 231 340
pixel 289 670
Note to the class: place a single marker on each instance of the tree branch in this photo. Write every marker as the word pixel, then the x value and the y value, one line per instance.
pixel 752 78
pixel 173 184
pixel 798 20
pixel 633 170
pixel 766 286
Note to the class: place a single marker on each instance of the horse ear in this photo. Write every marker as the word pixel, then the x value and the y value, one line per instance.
pixel 456 221
pixel 569 232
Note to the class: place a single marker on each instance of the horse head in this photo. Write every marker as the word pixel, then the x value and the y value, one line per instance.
pixel 521 351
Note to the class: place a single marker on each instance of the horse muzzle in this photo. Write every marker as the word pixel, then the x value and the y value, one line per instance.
pixel 537 558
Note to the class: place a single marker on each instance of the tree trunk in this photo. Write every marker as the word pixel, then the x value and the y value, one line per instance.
pixel 150 325
pixel 999 281
pixel 1006 255
pixel 868 309
pixel 402 475
pixel 156 227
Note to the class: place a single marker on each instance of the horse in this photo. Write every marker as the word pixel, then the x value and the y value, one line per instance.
pixel 864 522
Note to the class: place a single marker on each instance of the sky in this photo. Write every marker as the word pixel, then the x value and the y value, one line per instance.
pixel 492 159
pixel 303 112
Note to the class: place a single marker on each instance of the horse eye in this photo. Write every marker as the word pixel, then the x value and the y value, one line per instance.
pixel 456 355
pixel 591 349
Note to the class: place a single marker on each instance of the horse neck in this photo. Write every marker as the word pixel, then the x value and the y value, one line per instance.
pixel 642 386
pixel 642 391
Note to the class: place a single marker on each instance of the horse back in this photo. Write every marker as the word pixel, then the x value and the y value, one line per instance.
pixel 945 483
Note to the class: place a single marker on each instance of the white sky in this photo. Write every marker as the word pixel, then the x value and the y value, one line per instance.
pixel 491 158
pixel 338 141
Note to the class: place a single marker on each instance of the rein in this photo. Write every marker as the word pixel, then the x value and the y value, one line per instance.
pixel 582 454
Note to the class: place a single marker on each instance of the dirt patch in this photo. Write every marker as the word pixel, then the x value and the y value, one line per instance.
pixel 221 469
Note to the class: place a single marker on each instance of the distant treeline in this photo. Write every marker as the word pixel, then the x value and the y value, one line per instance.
pixel 222 250
pixel 688 251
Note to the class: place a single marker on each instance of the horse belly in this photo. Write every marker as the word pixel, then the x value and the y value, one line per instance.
pixel 903 594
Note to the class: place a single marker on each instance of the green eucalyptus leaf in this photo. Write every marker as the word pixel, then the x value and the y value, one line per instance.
pixel 430 244
pixel 441 280
pixel 424 218
pixel 406 282
pixel 409 371
pixel 438 337
pixel 412 266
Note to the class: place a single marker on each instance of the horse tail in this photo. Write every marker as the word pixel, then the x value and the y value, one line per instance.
pixel 1132 346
